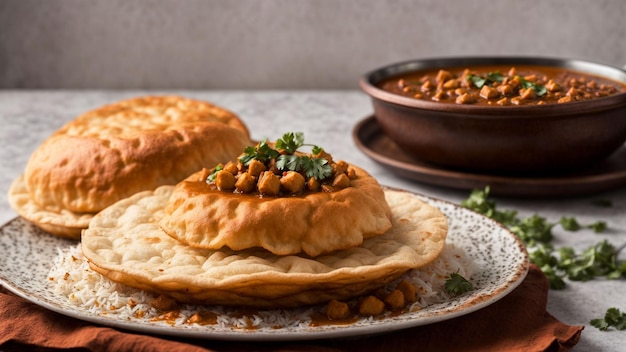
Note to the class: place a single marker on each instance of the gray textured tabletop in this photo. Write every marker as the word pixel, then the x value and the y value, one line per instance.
pixel 327 118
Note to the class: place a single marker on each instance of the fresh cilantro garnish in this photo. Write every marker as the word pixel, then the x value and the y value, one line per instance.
pixel 287 158
pixel 495 77
pixel 538 88
pixel 318 168
pixel 598 226
pixel 261 152
pixel 535 231
pixel 312 167
pixel 570 223
pixel 489 79
pixel 211 177
pixel 478 81
pixel 597 260
pixel 290 142
pixel 457 285
pixel 612 318
pixel 480 202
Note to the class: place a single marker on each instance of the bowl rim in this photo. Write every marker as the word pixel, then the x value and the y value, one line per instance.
pixel 369 80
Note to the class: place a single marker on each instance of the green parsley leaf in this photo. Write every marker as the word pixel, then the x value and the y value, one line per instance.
pixel 612 318
pixel 457 285
pixel 597 260
pixel 495 77
pixel 316 150
pixel 538 88
pixel 534 229
pixel 261 152
pixel 290 142
pixel 598 226
pixel 478 81
pixel 318 168
pixel 211 177
pixel 570 224
pixel 536 233
pixel 489 79
pixel 480 202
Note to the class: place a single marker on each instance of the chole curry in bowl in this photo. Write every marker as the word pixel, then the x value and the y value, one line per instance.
pixel 530 116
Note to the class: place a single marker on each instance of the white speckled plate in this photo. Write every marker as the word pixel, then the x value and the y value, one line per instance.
pixel 501 259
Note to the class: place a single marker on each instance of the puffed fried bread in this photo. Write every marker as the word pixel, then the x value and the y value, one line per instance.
pixel 125 243
pixel 120 149
pixel 313 223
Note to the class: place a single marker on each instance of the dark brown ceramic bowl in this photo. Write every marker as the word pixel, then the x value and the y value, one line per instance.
pixel 501 139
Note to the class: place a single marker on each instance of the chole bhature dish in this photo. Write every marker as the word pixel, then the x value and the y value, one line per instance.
pixel 183 219
pixel 249 257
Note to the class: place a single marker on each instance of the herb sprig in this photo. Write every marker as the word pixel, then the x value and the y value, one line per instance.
pixel 288 157
pixel 612 318
pixel 599 260
pixel 457 285
pixel 493 77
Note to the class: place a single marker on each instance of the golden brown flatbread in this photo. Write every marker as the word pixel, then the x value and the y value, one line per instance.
pixel 313 222
pixel 120 149
pixel 125 243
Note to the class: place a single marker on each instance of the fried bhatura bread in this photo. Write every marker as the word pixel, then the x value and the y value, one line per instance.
pixel 313 222
pixel 120 149
pixel 125 243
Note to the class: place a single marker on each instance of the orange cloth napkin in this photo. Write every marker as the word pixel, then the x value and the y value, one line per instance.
pixel 518 322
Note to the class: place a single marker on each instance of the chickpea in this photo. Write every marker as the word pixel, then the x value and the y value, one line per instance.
pixel 341 181
pixel 269 184
pixel 312 184
pixel 225 180
pixel 408 290
pixel 337 310
pixel 245 183
pixel 395 299
pixel 340 167
pixel 371 306
pixel 255 168
pixel 292 181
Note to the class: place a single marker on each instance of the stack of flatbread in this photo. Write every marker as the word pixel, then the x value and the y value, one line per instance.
pixel 202 245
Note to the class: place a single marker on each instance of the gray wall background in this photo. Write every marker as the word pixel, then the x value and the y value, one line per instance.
pixel 276 44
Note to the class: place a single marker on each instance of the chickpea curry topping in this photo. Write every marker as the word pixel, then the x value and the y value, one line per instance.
pixel 279 169
pixel 503 85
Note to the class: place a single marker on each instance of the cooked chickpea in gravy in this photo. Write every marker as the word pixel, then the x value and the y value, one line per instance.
pixel 501 85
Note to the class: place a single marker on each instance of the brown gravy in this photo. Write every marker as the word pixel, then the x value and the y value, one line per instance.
pixel 502 85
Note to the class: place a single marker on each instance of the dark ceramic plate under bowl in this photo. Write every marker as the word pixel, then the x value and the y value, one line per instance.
pixel 603 176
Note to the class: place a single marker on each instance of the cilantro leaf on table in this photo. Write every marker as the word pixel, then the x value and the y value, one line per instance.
pixel 612 318
pixel 598 226
pixel 535 231
pixel 570 223
pixel 480 202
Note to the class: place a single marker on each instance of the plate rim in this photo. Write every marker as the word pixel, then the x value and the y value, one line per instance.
pixel 336 331
pixel 518 186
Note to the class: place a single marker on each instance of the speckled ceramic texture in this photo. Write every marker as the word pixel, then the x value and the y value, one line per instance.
pixel 501 260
